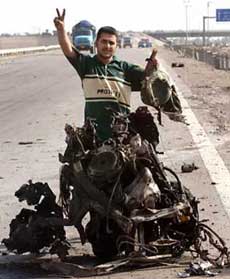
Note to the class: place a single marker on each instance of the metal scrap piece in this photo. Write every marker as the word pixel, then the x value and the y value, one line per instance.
pixel 127 263
pixel 32 230
pixel 198 269
pixel 188 167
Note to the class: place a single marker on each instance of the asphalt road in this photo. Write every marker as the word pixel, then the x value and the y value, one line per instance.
pixel 40 93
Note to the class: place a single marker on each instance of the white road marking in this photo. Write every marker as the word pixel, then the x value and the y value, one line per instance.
pixel 218 172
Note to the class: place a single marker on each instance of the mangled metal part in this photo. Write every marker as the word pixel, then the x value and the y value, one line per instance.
pixel 124 175
pixel 123 264
pixel 159 92
pixel 142 123
pixel 143 192
pixel 198 269
pixel 177 65
pixel 188 167
pixel 148 214
pixel 78 141
pixel 104 166
pixel 86 197
pixel 206 237
pixel 32 230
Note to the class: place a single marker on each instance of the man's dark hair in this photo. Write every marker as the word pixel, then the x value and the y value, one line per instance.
pixel 107 29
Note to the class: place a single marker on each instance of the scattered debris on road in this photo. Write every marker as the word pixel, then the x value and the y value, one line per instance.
pixel 198 269
pixel 25 142
pixel 177 65
pixel 188 167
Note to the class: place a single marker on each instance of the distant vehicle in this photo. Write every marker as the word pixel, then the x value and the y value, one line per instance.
pixel 119 42
pixel 83 36
pixel 144 43
pixel 127 42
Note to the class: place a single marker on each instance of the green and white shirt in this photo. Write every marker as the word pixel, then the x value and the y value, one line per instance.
pixel 106 86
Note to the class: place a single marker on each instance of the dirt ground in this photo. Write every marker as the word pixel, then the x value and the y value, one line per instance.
pixel 209 98
pixel 210 92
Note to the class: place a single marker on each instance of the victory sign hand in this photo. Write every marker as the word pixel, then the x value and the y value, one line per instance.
pixel 59 20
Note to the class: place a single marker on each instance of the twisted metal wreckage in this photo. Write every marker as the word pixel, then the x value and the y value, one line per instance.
pixel 137 206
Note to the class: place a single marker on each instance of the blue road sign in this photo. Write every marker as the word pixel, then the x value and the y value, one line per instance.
pixel 222 14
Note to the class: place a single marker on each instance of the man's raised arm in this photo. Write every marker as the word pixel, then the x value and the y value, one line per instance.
pixel 63 38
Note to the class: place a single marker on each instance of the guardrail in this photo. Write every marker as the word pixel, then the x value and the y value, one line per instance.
pixel 219 60
pixel 27 50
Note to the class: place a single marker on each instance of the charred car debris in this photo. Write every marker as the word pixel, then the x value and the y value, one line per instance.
pixel 137 206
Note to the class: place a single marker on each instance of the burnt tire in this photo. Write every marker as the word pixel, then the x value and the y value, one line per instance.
pixel 104 247
pixel 103 243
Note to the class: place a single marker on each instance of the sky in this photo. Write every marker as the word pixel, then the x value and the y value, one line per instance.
pixel 35 16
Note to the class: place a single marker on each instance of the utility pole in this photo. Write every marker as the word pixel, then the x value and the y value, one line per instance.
pixel 187 5
pixel 204 28
pixel 208 5
pixel 204 31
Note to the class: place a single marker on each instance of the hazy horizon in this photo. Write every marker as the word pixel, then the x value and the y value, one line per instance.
pixel 26 16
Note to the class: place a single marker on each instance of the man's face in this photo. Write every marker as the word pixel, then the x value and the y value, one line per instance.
pixel 106 45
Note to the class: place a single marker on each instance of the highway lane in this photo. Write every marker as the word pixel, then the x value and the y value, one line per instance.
pixel 38 95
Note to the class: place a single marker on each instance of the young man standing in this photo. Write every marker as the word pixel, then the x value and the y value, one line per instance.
pixel 107 81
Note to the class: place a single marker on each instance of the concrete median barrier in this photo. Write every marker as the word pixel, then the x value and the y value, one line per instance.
pixel 27 50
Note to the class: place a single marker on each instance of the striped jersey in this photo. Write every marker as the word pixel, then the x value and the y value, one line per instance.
pixel 106 86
